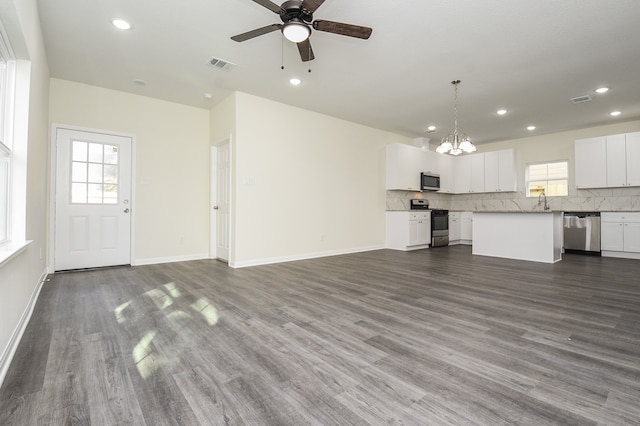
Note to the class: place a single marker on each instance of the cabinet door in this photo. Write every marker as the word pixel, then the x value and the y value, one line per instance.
pixel 424 232
pixel 591 163
pixel 612 236
pixel 492 171
pixel 454 226
pixel 462 174
pixel 404 164
pixel 419 232
pixel 466 231
pixel 633 158
pixel 616 161
pixel 414 226
pixel 632 237
pixel 507 174
pixel 445 168
pixel 477 172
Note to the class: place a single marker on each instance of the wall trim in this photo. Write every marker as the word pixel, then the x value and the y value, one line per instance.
pixel 280 259
pixel 170 259
pixel 14 341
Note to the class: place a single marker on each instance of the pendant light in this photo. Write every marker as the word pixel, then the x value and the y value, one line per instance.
pixel 455 143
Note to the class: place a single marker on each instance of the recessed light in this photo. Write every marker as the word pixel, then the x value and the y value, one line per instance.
pixel 501 111
pixel 530 128
pixel 121 24
pixel 208 96
pixel 615 113
pixel 431 128
pixel 295 81
pixel 602 90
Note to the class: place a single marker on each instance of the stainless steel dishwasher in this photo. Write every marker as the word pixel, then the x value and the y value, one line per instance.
pixel 582 232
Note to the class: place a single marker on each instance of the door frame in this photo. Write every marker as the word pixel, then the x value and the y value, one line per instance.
pixel 213 254
pixel 52 186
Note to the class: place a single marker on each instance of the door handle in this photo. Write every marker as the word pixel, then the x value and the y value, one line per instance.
pixel 126 210
pixel 215 207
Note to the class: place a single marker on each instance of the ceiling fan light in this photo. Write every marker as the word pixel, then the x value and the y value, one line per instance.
pixel 296 31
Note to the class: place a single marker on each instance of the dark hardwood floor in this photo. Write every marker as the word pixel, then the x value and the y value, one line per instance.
pixel 433 337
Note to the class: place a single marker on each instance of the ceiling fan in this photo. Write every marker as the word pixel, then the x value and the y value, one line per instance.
pixel 297 17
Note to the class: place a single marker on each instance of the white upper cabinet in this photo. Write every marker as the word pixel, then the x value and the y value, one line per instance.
pixel 500 171
pixel 591 163
pixel 616 161
pixel 477 172
pixel 445 169
pixel 468 173
pixel 632 148
pixel 483 172
pixel 608 161
pixel 461 174
pixel 404 164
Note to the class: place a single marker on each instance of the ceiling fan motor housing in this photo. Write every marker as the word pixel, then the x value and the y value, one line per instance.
pixel 293 9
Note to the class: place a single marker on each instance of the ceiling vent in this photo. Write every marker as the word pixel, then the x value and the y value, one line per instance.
pixel 221 64
pixel 581 99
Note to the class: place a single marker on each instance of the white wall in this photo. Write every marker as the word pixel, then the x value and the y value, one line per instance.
pixel 171 164
pixel 20 277
pixel 306 184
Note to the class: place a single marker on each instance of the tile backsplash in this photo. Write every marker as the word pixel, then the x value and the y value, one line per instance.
pixel 607 199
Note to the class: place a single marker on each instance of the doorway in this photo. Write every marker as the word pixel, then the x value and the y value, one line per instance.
pixel 93 205
pixel 220 200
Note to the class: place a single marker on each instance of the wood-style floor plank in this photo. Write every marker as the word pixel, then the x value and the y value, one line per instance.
pixel 431 337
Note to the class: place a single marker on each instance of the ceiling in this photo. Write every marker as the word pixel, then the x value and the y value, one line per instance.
pixel 527 56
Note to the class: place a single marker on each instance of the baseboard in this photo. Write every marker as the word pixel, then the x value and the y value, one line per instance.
pixel 620 254
pixel 270 260
pixel 10 350
pixel 170 259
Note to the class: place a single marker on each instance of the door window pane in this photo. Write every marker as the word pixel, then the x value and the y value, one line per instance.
pixel 94 173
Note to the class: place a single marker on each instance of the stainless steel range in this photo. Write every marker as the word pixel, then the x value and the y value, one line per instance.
pixel 439 228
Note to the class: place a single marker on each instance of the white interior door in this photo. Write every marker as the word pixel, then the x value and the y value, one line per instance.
pixel 220 197
pixel 93 200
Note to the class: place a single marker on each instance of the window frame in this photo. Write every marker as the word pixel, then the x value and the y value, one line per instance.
pixel 7 107
pixel 547 180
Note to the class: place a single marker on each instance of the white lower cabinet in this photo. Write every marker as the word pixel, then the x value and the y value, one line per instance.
pixel 466 228
pixel 460 228
pixel 408 230
pixel 620 234
pixel 454 227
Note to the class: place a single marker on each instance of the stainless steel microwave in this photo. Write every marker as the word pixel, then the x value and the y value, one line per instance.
pixel 429 181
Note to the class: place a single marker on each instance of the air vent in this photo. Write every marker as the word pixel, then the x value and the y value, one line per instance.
pixel 221 64
pixel 581 99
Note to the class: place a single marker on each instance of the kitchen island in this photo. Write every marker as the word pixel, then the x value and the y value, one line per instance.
pixel 534 236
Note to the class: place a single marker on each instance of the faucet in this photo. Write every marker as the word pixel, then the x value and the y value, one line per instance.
pixel 542 197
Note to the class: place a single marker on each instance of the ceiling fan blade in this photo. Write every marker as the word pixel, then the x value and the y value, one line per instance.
pixel 306 53
pixel 342 29
pixel 257 32
pixel 270 5
pixel 312 5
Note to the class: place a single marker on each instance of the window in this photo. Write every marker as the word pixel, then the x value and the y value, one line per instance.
pixel 7 71
pixel 94 173
pixel 548 178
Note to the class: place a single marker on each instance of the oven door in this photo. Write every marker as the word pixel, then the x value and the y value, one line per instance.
pixel 439 228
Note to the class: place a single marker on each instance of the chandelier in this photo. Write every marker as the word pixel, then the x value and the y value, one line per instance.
pixel 455 144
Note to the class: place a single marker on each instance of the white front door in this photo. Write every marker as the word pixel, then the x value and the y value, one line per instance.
pixel 93 200
pixel 220 196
